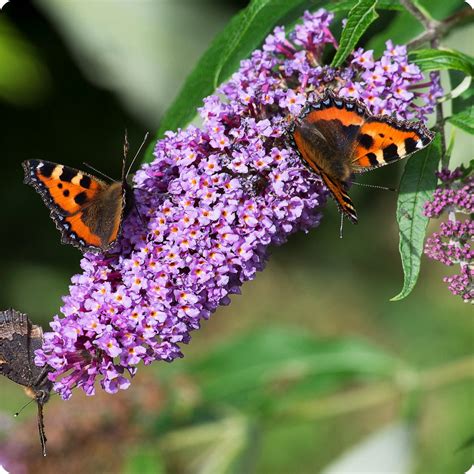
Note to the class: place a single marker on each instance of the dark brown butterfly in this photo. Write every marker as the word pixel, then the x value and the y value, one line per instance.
pixel 87 211
pixel 19 339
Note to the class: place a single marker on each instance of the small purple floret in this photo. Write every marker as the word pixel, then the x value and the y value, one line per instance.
pixel 451 245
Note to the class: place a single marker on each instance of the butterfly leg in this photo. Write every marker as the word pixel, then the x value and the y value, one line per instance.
pixel 42 376
pixel 42 435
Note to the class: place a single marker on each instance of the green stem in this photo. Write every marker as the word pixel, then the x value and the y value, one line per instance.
pixel 440 116
pixel 421 15
pixel 459 90
pixel 441 29
pixel 383 392
pixel 433 31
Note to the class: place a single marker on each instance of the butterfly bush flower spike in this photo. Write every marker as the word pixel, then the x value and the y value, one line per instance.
pixel 211 203
pixel 451 245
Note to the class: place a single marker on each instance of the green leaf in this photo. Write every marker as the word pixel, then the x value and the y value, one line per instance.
pixel 24 79
pixel 467 169
pixel 440 59
pixel 244 33
pixel 405 27
pixel 381 5
pixel 416 187
pixel 391 448
pixel 248 371
pixel 360 18
pixel 465 100
pixel 219 446
pixel 144 459
pixel 464 120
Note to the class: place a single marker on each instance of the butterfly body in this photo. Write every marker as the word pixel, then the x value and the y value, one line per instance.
pixel 88 211
pixel 19 339
pixel 337 137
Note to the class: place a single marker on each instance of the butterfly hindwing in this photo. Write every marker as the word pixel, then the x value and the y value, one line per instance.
pixel 99 223
pixel 324 136
pixel 311 149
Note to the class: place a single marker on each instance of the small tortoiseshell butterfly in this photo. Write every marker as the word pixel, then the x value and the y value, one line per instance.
pixel 86 210
pixel 337 137
pixel 19 339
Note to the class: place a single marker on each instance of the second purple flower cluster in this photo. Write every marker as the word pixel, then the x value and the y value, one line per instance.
pixel 451 245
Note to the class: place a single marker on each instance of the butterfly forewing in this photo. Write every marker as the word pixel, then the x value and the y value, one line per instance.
pixel 19 339
pixel 346 111
pixel 383 140
pixel 344 202
pixel 14 347
pixel 64 190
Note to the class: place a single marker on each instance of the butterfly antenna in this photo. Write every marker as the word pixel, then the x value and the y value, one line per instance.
pixel 23 407
pixel 139 214
pixel 97 171
pixel 137 153
pixel 365 185
pixel 341 226
pixel 43 375
pixel 126 147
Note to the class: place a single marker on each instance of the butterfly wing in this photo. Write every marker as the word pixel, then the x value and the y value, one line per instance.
pixel 344 202
pixel 85 209
pixel 383 140
pixel 348 112
pixel 100 222
pixel 64 190
pixel 14 347
pixel 324 136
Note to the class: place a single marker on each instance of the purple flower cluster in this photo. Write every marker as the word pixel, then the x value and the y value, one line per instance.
pixel 390 85
pixel 452 244
pixel 211 203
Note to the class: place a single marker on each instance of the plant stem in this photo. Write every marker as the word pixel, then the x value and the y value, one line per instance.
pixel 421 16
pixel 440 116
pixel 440 29
pixel 383 392
pixel 460 89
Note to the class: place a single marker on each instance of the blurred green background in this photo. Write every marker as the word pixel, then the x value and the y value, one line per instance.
pixel 306 363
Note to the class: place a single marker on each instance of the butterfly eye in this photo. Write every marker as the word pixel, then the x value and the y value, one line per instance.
pixel 42 396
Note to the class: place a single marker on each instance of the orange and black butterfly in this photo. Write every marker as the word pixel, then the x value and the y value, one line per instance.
pixel 337 137
pixel 19 339
pixel 86 210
